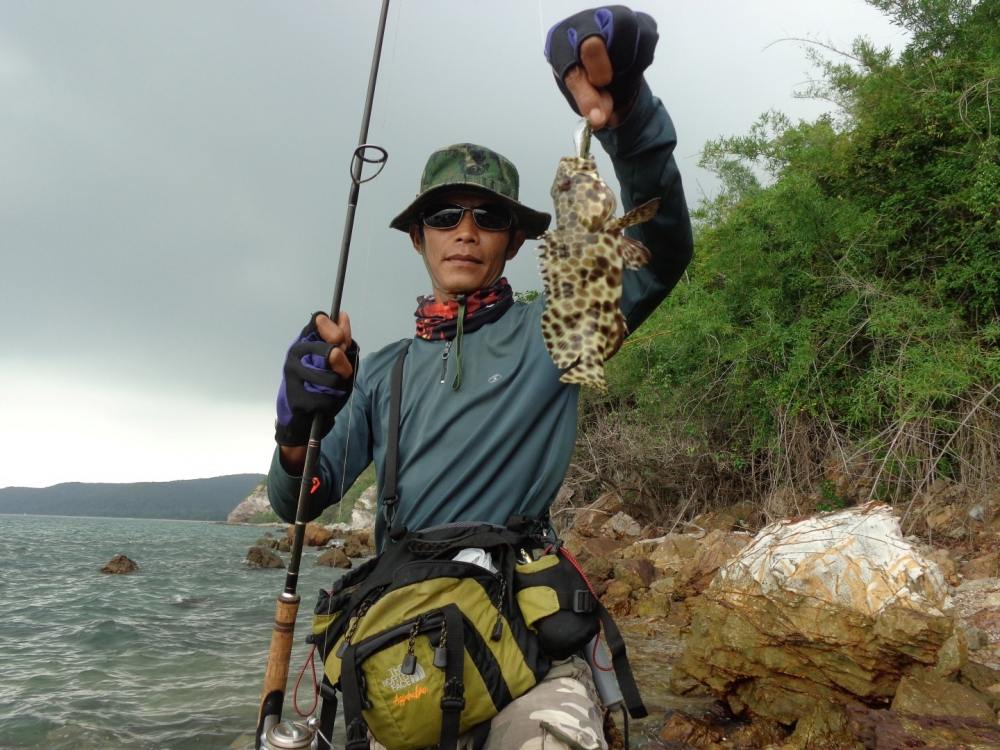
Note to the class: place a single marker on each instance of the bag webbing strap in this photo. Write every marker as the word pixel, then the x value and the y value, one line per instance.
pixel 453 699
pixel 351 689
pixel 619 658
pixel 390 494
pixel 327 715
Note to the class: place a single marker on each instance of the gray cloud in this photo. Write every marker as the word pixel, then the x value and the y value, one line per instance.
pixel 173 176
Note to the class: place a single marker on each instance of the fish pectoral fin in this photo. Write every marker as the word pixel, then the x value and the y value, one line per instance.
pixel 634 253
pixel 637 215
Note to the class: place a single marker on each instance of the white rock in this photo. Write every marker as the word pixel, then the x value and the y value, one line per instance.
pixel 856 558
pixel 256 502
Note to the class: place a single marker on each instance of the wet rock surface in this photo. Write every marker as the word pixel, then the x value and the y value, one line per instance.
pixel 120 565
pixel 315 535
pixel 262 557
pixel 335 557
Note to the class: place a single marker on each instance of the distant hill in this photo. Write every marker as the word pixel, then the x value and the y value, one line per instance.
pixel 189 499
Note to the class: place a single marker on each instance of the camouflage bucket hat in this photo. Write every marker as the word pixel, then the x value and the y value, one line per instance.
pixel 466 166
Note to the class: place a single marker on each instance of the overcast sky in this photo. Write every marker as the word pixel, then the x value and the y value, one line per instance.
pixel 174 175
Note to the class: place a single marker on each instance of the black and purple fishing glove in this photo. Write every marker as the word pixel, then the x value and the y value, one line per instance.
pixel 630 38
pixel 309 387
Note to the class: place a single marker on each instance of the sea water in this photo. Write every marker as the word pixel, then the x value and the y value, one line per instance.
pixel 170 657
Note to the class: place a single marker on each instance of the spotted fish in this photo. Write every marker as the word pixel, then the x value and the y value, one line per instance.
pixel 581 263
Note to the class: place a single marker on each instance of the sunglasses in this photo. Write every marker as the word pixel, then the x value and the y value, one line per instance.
pixel 490 218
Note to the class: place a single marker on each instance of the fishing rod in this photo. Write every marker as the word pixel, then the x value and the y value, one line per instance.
pixel 271 732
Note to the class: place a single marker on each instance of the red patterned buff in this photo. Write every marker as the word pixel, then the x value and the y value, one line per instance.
pixel 439 320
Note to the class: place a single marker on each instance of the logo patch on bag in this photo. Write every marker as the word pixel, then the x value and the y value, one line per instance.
pixel 396 680
pixel 418 692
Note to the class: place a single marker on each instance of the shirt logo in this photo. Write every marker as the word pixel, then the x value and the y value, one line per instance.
pixel 495 378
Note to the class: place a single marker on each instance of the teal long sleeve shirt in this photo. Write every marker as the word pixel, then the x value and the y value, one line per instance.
pixel 501 444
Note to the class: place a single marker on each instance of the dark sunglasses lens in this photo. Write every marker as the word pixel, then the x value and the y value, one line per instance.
pixel 492 217
pixel 443 218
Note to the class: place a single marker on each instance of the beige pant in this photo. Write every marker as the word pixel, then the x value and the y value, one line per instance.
pixel 562 712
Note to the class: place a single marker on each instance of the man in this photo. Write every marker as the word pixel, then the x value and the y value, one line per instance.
pixel 486 427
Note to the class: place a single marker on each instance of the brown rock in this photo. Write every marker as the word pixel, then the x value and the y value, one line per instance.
pixel 652 532
pixel 987 620
pixel 757 734
pixel 621 526
pixel 638 574
pixel 685 731
pixel 120 565
pixel 938 518
pixel 984 566
pixel 983 679
pixel 944 560
pixel 666 584
pixel 887 730
pixel 284 544
pixel 952 656
pixel 825 727
pixel 640 549
pixel 616 597
pixel 714 551
pixel 716 520
pixel 359 544
pixel 262 557
pixel 648 603
pixel 334 558
pixel 268 541
pixel 315 535
pixel 598 547
pixel 672 552
pixel 590 519
pixel 679 614
pixel 922 694
pixel 617 589
pixel 597 569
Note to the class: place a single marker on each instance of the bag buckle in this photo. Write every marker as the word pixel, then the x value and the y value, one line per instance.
pixel 582 601
pixel 357 736
pixel 453 698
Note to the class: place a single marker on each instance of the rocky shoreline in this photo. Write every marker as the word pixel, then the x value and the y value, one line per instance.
pixel 857 638
pixel 758 640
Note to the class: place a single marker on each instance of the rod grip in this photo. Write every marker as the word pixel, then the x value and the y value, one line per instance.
pixel 278 658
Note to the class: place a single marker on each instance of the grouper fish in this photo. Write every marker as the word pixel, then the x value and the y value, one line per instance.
pixel 581 264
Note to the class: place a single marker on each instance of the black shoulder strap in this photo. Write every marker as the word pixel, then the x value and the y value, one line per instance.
pixel 619 658
pixel 390 494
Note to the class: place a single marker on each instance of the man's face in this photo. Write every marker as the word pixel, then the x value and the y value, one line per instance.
pixel 465 258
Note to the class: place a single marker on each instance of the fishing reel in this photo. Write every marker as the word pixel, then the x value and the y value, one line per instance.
pixel 292 735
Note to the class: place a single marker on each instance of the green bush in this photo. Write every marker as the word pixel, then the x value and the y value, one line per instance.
pixel 843 299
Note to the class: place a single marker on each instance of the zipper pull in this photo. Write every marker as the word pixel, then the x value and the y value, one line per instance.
pixel 444 360
pixel 441 653
pixel 497 633
pixel 409 665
